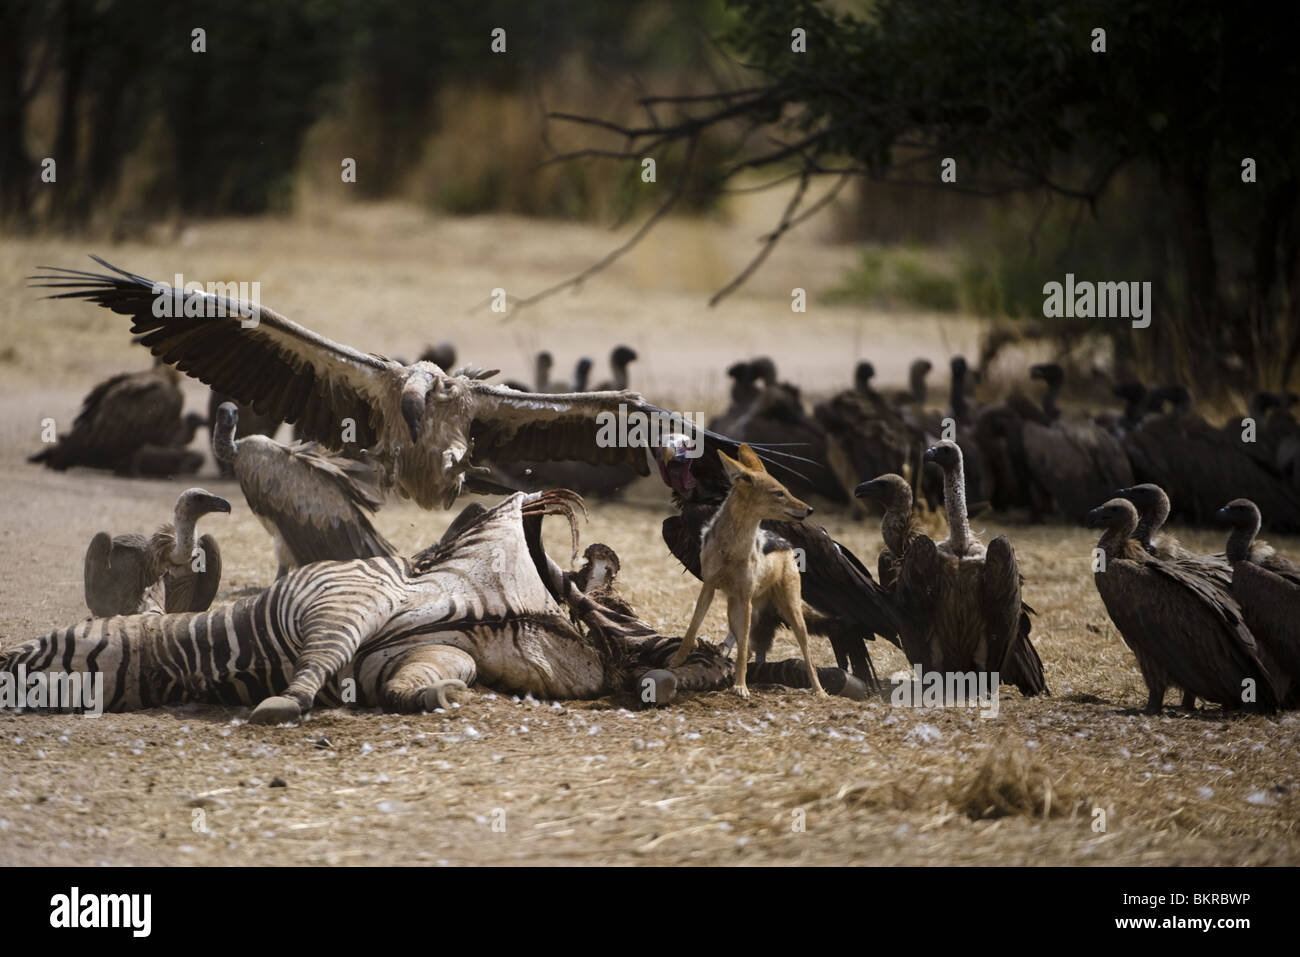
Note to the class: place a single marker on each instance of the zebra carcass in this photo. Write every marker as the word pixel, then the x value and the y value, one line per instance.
pixel 485 604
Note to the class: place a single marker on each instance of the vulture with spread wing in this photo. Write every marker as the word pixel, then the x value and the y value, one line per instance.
pixel 424 427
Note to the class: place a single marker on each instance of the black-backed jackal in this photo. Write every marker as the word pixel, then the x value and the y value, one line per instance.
pixel 740 560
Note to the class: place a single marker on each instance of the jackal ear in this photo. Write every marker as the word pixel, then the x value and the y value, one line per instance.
pixel 735 472
pixel 749 459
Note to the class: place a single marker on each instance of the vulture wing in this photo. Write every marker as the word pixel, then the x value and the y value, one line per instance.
pixel 316 501
pixel 513 426
pixel 247 351
pixel 1000 598
pixel 187 590
pixel 1190 627
pixel 116 574
pixel 1270 603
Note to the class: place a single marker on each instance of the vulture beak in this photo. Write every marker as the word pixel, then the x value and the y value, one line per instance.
pixel 413 412
pixel 929 453
pixel 218 504
pixel 1223 515
pixel 867 490
pixel 1097 517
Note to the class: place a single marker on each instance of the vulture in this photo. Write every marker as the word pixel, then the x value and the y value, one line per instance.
pixel 1268 588
pixel 130 423
pixel 845 604
pixel 313 503
pixel 974 465
pixel 619 360
pixel 1201 466
pixel 130 574
pixel 250 422
pixel 443 355
pixel 1071 464
pixel 916 389
pixel 959 602
pixel 866 434
pixel 776 417
pixel 1153 509
pixel 1183 630
pixel 582 375
pixel 424 427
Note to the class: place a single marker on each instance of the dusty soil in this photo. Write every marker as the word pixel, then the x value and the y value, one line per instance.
pixel 783 778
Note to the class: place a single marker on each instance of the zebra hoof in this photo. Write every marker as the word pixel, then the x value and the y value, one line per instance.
pixel 276 710
pixel 657 688
pixel 438 694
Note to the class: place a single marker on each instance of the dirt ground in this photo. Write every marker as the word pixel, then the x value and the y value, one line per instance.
pixel 1075 778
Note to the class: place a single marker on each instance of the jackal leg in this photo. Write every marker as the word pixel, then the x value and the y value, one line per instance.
pixel 688 643
pixel 738 614
pixel 790 603
pixel 423 678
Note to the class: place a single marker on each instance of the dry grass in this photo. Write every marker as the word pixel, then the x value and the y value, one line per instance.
pixel 781 778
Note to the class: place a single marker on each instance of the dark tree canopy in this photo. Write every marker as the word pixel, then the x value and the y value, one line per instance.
pixel 1015 93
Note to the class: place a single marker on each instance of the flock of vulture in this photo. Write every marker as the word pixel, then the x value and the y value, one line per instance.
pixel 1221 628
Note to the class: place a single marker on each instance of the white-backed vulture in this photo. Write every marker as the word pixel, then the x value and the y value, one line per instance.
pixel 1153 508
pixel 582 375
pixel 124 415
pixel 443 355
pixel 129 574
pixel 619 360
pixel 1201 467
pixel 958 603
pixel 313 503
pixel 776 417
pixel 916 388
pixel 251 422
pixel 423 426
pixel 866 435
pixel 1183 630
pixel 843 602
pixel 1073 464
pixel 1268 588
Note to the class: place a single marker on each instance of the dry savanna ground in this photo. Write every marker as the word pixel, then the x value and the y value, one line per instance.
pixel 1075 778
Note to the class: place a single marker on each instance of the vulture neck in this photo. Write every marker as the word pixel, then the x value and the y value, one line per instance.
pixel 620 376
pixel 1115 542
pixel 916 383
pixel 897 528
pixel 1150 521
pixel 957 397
pixel 223 446
pixel 542 375
pixel 183 542
pixel 1049 401
pixel 954 501
pixel 1240 542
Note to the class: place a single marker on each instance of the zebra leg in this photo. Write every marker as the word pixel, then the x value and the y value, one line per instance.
pixel 329 642
pixel 422 679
